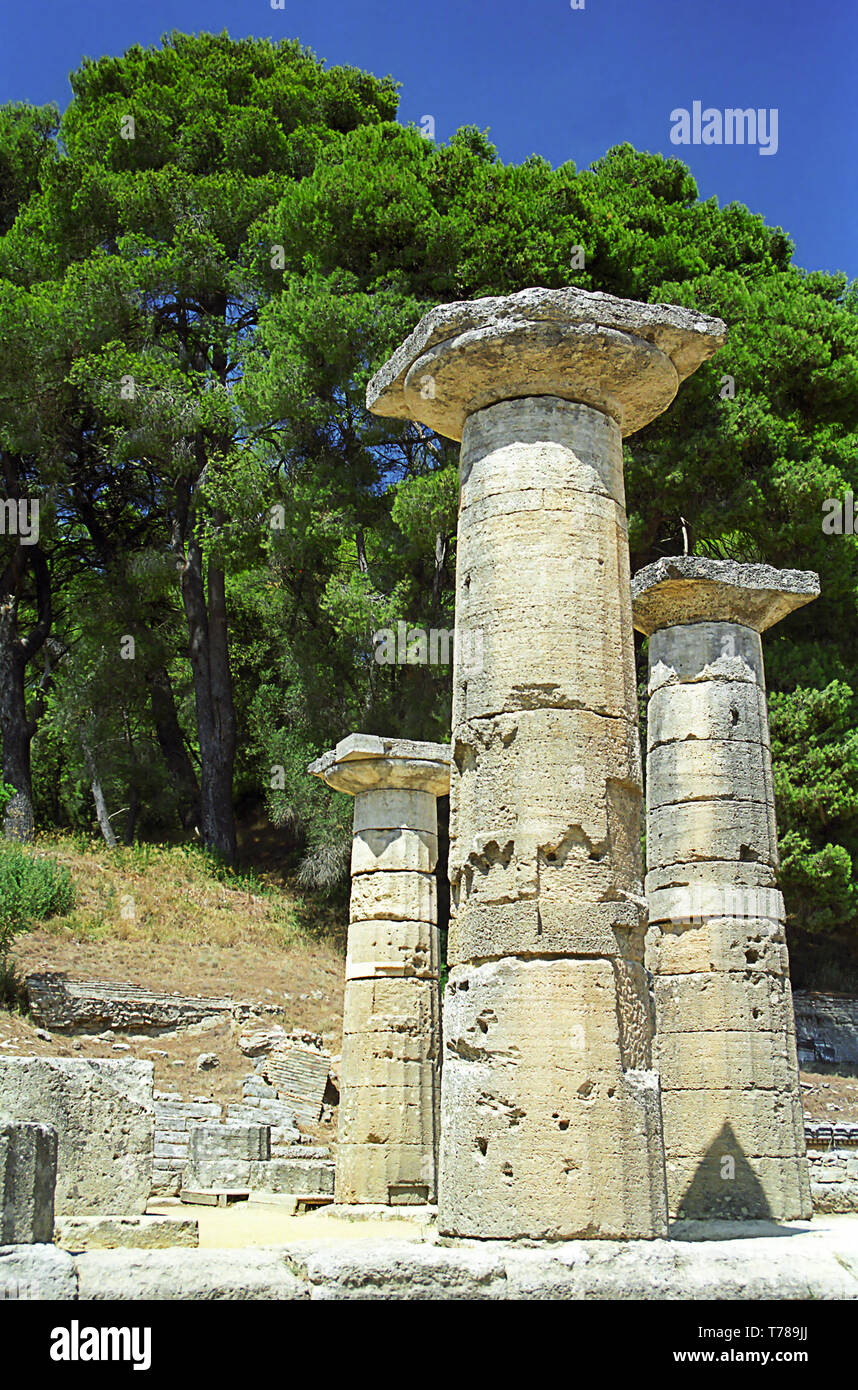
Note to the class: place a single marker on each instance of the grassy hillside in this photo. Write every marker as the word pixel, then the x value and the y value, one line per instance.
pixel 169 918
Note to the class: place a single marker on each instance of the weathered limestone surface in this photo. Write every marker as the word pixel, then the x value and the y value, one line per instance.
pixel 103 1113
pixel 304 1177
pixel 91 1006
pixel 37 1273
pixel 725 1042
pixel 28 1175
pixel 77 1233
pixel 547 1024
pixel 174 1120
pixel 224 1156
pixel 263 1275
pixel 624 358
pixel 389 1074
pixel 821 1263
pixel 833 1175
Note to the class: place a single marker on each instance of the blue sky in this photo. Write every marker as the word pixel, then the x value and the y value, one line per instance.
pixel 543 77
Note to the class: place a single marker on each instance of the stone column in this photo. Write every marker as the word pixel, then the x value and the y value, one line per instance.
pixel 390 1074
pixel 551 1121
pixel 725 1045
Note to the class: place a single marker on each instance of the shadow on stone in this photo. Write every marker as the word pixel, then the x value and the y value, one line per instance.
pixel 725 1186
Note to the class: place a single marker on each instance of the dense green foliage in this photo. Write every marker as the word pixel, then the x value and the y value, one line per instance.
pixel 32 888
pixel 189 320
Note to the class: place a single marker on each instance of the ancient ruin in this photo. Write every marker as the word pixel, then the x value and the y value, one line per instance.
pixel 28 1175
pixel 551 1121
pixel 733 1126
pixel 388 1126
pixel 598 1075
pixel 103 1114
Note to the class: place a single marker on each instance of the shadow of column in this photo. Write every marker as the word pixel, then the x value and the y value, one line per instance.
pixel 725 1185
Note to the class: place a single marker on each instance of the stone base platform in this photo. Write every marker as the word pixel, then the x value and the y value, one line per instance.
pixel 802 1260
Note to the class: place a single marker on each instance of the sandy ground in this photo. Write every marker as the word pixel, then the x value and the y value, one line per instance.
pixel 266 1223
pixel 263 1223
pixel 257 1223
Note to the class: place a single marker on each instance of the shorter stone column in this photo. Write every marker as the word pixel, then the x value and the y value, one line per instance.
pixel 28 1177
pixel 387 1143
pixel 725 1030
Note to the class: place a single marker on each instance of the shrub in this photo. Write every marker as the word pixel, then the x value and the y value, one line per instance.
pixel 32 887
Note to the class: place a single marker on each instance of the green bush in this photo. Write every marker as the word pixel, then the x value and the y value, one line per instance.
pixel 32 887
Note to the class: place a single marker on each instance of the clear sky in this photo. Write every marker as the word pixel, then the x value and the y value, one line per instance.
pixel 544 77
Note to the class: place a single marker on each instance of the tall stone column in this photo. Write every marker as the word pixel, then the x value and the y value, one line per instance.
pixel 725 1043
pixel 551 1122
pixel 390 1074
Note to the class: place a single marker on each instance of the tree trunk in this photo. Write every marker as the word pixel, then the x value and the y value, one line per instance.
pixel 98 795
pixel 19 821
pixel 180 769
pixel 15 727
pixel 205 608
pixel 133 789
pixel 441 547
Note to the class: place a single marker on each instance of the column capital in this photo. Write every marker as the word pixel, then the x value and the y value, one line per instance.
pixel 619 356
pixel 685 589
pixel 366 762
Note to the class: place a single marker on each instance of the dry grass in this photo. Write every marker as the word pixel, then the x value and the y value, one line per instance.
pixel 176 893
pixel 829 1096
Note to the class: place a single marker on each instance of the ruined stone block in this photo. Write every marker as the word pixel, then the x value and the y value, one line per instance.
pixel 103 1113
pixel 534 1065
pixel 28 1175
pixel 402 896
pixel 725 944
pixel 242 1142
pixel 391 949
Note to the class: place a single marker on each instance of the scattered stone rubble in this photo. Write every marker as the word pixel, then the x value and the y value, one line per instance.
pixel 261 1041
pixel 173 1120
pixel 832 1154
pixel 255 1145
pixel 238 1158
